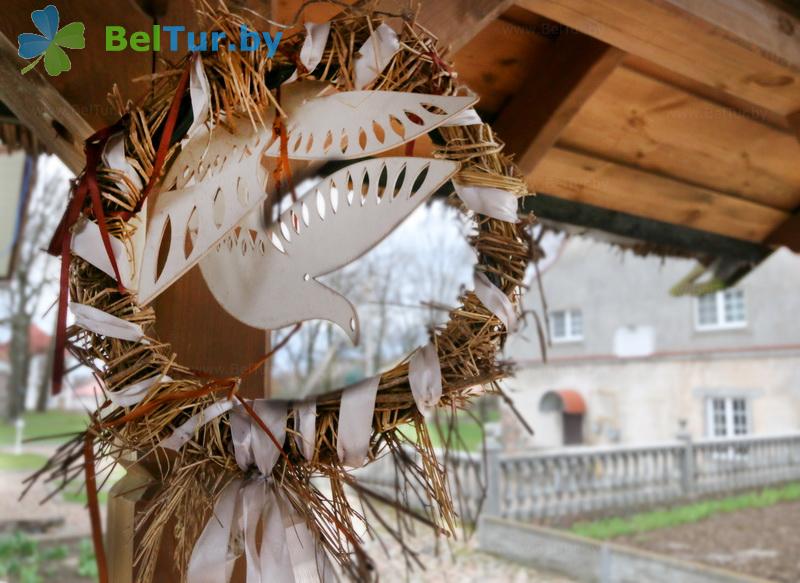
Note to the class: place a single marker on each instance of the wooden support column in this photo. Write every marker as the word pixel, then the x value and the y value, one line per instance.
pixel 552 95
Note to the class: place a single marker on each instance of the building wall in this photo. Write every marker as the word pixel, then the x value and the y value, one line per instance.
pixel 615 290
pixel 645 399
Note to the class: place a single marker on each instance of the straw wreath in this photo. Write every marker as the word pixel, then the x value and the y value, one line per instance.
pixel 186 484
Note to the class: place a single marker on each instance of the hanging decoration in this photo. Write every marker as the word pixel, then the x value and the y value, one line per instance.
pixel 232 477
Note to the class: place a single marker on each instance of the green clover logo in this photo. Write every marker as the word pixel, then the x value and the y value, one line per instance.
pixel 51 43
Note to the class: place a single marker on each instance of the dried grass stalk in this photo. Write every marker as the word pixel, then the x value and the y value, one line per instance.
pixel 244 83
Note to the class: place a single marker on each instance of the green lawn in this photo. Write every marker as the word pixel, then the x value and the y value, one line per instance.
pixel 467 432
pixel 41 425
pixel 646 521
pixel 25 462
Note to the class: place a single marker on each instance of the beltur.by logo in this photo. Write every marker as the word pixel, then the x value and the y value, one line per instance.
pixel 50 44
pixel 178 39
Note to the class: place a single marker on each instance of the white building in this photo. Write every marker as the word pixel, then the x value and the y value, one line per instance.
pixel 630 363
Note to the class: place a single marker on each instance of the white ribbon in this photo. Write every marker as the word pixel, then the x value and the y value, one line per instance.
pixel 310 563
pixel 373 56
pixel 493 202
pixel 468 117
pixel 305 424
pixel 87 243
pixel 313 47
pixel 210 561
pixel 355 421
pixel 251 444
pixel 200 95
pixel 495 301
pixel 133 394
pixel 181 435
pixel 100 322
pixel 289 551
pixel 425 378
pixel 114 157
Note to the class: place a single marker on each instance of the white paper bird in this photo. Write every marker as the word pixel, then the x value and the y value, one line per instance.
pixel 211 210
pixel 266 277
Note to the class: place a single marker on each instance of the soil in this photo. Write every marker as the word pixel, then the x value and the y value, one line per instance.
pixel 763 542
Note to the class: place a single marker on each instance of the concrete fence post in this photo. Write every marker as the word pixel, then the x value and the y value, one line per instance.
pixel 687 468
pixel 494 503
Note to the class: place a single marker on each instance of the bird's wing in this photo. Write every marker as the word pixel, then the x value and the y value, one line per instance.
pixel 353 209
pixel 357 124
pixel 201 203
pixel 265 277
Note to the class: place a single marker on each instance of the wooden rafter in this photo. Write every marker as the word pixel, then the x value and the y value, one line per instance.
pixel 664 237
pixel 552 95
pixel 750 52
pixel 644 122
pixel 38 105
pixel 788 232
pixel 585 178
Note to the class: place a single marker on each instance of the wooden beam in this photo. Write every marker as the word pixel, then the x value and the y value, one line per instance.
pixel 495 70
pixel 551 96
pixel 37 104
pixel 761 25
pixel 667 237
pixel 787 234
pixel 793 120
pixel 649 124
pixel 750 52
pixel 711 94
pixel 577 176
pixel 94 70
pixel 455 22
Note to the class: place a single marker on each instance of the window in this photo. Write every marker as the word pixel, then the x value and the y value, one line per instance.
pixel 721 310
pixel 566 325
pixel 727 416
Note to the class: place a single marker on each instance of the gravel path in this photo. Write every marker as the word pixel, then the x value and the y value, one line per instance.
pixel 450 561
pixel 457 561
pixel 75 517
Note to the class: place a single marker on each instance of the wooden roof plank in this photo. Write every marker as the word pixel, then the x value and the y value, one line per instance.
pixel 696 40
pixel 531 123
pixel 650 124
pixel 497 70
pixel 788 232
pixel 581 177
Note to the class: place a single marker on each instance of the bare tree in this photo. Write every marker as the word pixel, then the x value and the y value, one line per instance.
pixel 393 288
pixel 30 278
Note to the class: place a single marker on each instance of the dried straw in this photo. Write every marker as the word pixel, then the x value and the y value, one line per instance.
pixel 245 84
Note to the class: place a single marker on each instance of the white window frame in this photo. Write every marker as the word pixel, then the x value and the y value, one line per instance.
pixel 730 421
pixel 568 336
pixel 721 323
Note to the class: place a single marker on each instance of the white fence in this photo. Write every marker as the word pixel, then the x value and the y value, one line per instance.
pixel 581 481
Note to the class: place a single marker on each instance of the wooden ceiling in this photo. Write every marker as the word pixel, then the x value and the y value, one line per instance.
pixel 678 119
pixel 678 112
